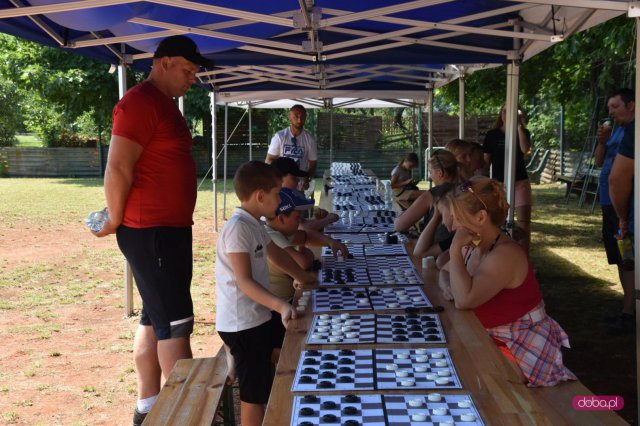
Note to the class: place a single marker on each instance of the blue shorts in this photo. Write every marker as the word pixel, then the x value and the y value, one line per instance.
pixel 161 260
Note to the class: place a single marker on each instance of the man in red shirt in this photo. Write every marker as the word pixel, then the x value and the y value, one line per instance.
pixel 150 187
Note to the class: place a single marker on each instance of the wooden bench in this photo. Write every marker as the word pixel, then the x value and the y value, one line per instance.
pixel 193 393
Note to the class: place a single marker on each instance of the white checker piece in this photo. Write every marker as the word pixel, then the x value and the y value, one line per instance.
pixel 340 299
pixel 334 370
pixel 439 409
pixel 385 270
pixel 415 369
pixel 386 298
pixel 382 238
pixel 312 410
pixel 409 328
pixel 341 329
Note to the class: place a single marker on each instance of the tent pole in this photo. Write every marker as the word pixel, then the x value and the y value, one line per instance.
pixel 420 135
pixel 250 135
pixel 513 74
pixel 430 132
pixel 128 273
pixel 636 206
pixel 461 101
pixel 214 162
pixel 330 134
pixel 224 165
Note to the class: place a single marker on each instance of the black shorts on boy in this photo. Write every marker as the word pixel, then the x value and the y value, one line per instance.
pixel 251 350
pixel 161 260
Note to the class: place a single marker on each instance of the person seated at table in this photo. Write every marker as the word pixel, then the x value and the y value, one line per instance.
pixel 443 167
pixel 491 274
pixel 243 301
pixel 404 186
pixel 284 231
pixel 469 154
pixel 436 238
pixel 291 175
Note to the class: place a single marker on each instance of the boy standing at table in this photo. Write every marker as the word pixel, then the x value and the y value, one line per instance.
pixel 243 301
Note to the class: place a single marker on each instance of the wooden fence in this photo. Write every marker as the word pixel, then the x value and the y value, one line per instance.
pixel 51 162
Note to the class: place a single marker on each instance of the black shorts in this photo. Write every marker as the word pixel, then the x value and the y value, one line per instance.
pixel 251 350
pixel 161 260
pixel 277 329
pixel 609 229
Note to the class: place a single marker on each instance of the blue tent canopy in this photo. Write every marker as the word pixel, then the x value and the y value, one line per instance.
pixel 324 44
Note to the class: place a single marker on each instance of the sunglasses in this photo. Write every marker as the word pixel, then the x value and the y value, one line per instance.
pixel 466 187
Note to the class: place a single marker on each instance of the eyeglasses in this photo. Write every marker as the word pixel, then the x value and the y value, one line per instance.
pixel 466 187
pixel 294 141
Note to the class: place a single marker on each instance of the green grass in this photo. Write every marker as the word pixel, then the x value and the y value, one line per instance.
pixel 28 141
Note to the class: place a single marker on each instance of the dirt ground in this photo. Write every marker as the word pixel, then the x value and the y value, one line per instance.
pixel 69 361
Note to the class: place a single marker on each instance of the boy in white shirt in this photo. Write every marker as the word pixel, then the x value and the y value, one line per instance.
pixel 243 301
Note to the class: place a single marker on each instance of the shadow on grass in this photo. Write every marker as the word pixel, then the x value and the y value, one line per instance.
pixel 578 301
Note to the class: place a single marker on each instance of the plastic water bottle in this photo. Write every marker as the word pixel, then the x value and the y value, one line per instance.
pixel 96 220
pixel 625 246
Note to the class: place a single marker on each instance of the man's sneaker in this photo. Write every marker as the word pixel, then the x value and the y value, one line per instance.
pixel 624 324
pixel 138 417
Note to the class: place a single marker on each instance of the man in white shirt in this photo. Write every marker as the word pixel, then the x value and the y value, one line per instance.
pixel 295 142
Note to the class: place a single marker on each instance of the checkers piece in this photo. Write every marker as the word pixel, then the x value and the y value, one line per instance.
pixel 358 377
pixel 426 368
pixel 402 410
pixel 355 329
pixel 399 298
pixel 409 328
pixel 362 410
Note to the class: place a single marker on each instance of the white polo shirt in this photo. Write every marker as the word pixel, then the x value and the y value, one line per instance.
pixel 235 311
pixel 302 151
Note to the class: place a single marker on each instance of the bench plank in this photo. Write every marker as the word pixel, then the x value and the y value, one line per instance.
pixel 192 392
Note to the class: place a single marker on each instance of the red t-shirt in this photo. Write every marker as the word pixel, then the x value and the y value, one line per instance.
pixel 510 303
pixel 163 192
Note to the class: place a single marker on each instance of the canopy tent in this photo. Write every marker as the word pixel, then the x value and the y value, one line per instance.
pixel 397 49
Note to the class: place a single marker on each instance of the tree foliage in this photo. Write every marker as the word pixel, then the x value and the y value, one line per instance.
pixel 575 74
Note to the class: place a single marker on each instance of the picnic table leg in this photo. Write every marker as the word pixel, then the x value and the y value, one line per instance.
pixel 228 413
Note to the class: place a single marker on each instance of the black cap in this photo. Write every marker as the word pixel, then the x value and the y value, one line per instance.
pixel 288 166
pixel 180 45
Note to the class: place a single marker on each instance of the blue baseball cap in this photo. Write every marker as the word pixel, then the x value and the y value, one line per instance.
pixel 289 202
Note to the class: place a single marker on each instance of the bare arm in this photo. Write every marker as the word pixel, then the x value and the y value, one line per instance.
pixel 491 275
pixel 241 265
pixel 319 224
pixel 427 238
pixel 620 186
pixel 313 165
pixel 118 178
pixel 487 164
pixel 270 158
pixel 523 139
pixel 282 260
pixel 319 239
pixel 415 212
pixel 602 136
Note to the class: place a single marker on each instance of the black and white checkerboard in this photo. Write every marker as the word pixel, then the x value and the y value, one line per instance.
pixel 431 409
pixel 385 298
pixel 354 410
pixel 409 328
pixel 378 410
pixel 415 369
pixel 344 276
pixel 348 328
pixel 342 328
pixel 369 250
pixel 340 299
pixel 368 238
pixel 334 370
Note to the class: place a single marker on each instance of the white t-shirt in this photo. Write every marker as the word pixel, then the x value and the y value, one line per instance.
pixel 235 311
pixel 302 151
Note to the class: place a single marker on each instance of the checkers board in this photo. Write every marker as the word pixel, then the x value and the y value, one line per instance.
pixel 360 298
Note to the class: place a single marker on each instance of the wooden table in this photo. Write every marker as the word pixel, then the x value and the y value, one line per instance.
pixel 494 384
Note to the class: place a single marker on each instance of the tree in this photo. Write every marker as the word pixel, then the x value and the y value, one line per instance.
pixel 10 121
